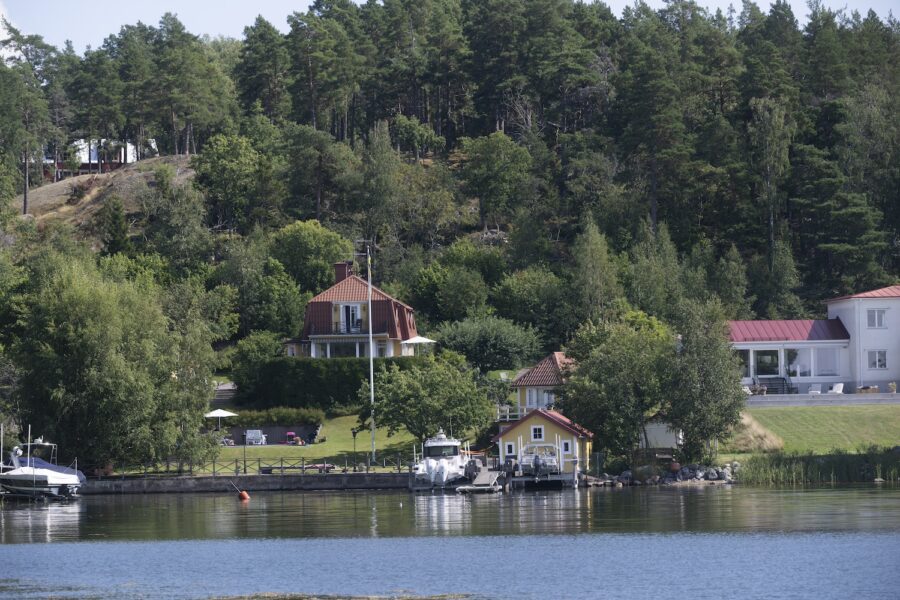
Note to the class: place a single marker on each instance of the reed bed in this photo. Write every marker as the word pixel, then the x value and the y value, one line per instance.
pixel 838 466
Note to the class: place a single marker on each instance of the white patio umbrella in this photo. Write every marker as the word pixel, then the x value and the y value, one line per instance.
pixel 418 341
pixel 218 414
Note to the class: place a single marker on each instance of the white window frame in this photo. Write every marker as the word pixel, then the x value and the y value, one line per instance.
pixel 873 316
pixel 531 398
pixel 537 428
pixel 882 366
pixel 548 398
pixel 817 371
pixel 510 449
pixel 800 353
pixel 567 447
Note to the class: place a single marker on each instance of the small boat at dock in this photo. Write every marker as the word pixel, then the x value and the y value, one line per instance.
pixel 31 476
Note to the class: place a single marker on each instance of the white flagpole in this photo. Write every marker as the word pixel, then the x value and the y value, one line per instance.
pixel 371 350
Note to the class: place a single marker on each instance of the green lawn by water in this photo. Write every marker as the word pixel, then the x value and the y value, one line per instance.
pixel 824 428
pixel 337 447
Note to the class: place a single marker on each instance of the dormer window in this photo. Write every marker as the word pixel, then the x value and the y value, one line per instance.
pixel 351 320
pixel 875 318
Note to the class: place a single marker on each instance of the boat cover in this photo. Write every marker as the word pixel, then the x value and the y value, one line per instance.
pixel 39 463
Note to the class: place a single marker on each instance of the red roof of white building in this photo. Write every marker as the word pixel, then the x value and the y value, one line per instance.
pixel 892 291
pixel 799 330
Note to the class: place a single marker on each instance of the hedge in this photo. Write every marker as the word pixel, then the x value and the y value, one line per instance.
pixel 280 415
pixel 326 384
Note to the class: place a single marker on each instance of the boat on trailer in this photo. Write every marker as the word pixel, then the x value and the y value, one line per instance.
pixel 31 476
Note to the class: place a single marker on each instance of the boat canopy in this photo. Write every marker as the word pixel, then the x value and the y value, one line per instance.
pixel 40 463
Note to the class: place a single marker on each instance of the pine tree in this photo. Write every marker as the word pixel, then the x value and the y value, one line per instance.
pixel 263 70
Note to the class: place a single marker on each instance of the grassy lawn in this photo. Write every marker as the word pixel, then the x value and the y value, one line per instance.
pixel 824 428
pixel 337 447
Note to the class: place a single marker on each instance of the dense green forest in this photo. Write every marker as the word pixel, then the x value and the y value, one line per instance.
pixel 522 167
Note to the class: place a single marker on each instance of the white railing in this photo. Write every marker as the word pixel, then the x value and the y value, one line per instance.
pixel 508 413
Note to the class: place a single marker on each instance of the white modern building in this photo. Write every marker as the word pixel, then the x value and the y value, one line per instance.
pixel 857 348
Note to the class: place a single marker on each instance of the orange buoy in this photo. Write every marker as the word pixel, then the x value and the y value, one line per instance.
pixel 244 495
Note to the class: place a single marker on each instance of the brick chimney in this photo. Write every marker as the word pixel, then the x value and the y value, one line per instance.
pixel 342 270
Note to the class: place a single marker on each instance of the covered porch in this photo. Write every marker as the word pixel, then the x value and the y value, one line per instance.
pixel 793 368
pixel 792 356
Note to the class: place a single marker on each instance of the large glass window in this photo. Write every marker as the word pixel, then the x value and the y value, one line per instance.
pixel 767 363
pixel 878 359
pixel 343 349
pixel 827 362
pixel 744 355
pixel 441 451
pixel 875 318
pixel 799 361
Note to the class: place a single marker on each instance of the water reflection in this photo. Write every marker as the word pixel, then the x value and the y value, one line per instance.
pixel 34 522
pixel 375 515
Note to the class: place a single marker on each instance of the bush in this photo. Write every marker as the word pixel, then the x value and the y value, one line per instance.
pixel 490 343
pixel 279 415
pixel 325 384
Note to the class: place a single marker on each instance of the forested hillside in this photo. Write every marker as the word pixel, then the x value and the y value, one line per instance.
pixel 520 165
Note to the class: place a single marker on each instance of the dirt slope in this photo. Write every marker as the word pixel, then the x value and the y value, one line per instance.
pixel 54 201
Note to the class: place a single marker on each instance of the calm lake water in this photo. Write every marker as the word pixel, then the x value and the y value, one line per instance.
pixel 703 542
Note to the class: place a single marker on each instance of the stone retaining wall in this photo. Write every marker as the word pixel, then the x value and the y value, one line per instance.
pixel 771 400
pixel 251 483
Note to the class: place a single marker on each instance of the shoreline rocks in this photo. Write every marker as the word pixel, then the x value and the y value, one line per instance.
pixel 651 475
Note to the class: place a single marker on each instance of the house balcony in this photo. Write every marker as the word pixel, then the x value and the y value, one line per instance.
pixel 507 413
pixel 356 328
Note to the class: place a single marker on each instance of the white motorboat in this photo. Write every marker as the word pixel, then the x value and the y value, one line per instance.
pixel 32 476
pixel 443 462
pixel 539 459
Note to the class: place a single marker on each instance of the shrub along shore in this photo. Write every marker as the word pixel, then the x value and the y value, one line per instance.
pixel 874 465
pixel 795 468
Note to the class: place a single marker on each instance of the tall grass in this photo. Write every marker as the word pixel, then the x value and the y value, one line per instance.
pixel 749 435
pixel 839 466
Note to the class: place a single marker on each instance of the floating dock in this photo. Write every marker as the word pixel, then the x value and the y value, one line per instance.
pixel 485 482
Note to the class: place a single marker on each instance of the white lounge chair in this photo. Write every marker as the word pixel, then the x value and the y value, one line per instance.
pixel 815 388
pixel 837 388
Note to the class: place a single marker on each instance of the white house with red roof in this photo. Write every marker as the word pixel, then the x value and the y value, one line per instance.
pixel 336 323
pixel 857 346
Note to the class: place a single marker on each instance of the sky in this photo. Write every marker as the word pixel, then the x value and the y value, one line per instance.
pixel 88 23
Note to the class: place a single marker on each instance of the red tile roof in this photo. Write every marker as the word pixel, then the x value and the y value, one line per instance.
pixel 551 415
pixel 892 291
pixel 547 373
pixel 805 330
pixel 353 289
